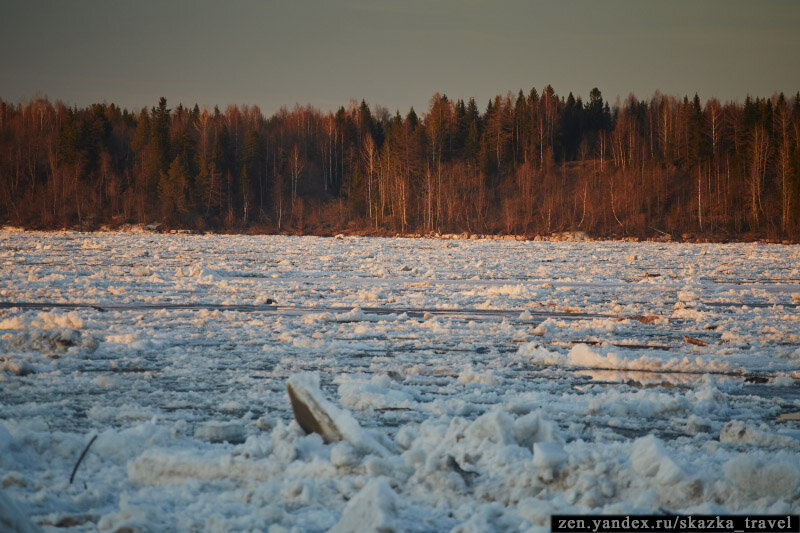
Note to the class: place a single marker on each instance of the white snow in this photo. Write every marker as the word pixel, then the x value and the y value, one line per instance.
pixel 478 385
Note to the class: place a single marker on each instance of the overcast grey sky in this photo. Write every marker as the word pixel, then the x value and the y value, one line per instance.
pixel 392 53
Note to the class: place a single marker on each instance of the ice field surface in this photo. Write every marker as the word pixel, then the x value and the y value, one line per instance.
pixel 485 384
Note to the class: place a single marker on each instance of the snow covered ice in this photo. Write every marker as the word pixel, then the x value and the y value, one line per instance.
pixel 480 385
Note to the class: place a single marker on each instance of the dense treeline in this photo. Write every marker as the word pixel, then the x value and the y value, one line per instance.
pixel 532 163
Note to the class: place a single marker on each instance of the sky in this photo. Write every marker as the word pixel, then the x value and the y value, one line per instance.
pixel 396 54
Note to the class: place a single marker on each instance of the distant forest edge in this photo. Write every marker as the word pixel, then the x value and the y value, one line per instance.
pixel 529 164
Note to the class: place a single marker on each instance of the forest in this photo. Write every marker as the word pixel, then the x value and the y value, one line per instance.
pixel 530 164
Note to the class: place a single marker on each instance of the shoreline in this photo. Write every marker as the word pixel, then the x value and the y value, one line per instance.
pixel 561 236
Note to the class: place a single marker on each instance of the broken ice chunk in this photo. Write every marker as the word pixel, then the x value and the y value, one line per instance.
pixel 548 455
pixel 315 414
pixel 533 428
pixel 12 518
pixel 650 458
pixel 374 508
pixel 220 432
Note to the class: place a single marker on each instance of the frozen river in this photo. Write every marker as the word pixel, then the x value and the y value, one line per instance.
pixel 499 381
